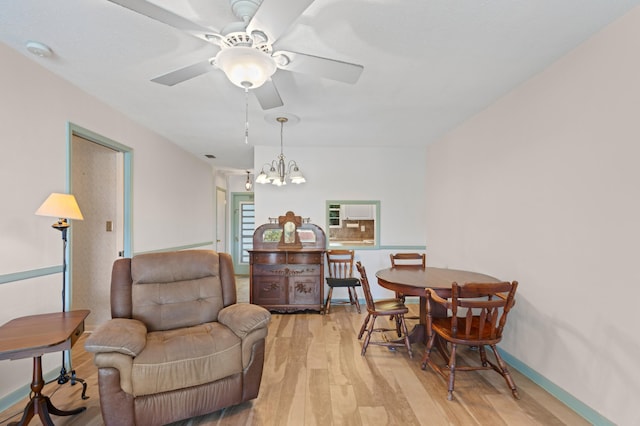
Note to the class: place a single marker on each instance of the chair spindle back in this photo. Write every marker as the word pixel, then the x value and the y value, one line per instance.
pixel 340 263
pixel 366 288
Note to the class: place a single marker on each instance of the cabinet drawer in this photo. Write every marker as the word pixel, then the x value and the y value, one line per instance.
pixel 77 333
pixel 300 258
pixel 269 258
pixel 296 270
pixel 270 270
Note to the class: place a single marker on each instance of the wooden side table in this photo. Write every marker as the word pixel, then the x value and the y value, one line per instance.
pixel 33 336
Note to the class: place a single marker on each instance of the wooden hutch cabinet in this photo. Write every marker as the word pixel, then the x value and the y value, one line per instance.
pixel 287 265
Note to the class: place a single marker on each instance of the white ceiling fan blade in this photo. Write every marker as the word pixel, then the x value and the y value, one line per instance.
pixel 163 15
pixel 274 17
pixel 183 74
pixel 321 67
pixel 268 95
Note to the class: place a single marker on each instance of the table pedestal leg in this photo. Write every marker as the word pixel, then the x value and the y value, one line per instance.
pixel 40 404
pixel 418 333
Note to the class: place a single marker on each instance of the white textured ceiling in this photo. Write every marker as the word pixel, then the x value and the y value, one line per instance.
pixel 428 65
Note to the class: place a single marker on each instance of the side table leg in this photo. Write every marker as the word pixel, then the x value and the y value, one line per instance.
pixel 27 415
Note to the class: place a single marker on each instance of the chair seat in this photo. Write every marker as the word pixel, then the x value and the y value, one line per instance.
pixel 442 326
pixel 340 267
pixel 343 282
pixel 390 307
pixel 383 307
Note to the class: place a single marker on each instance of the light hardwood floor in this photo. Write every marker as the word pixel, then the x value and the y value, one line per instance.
pixel 314 375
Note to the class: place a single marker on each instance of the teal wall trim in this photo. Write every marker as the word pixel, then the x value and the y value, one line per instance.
pixel 22 392
pixel 34 273
pixel 187 247
pixel 563 396
pixel 383 247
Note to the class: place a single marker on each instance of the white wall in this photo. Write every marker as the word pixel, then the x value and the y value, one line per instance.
pixel 542 188
pixel 394 176
pixel 170 187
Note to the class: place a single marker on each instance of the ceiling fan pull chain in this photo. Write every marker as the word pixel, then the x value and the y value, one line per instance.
pixel 246 117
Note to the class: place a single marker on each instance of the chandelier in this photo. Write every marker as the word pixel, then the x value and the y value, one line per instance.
pixel 279 170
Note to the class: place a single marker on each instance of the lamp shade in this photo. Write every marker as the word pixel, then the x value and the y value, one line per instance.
pixel 246 67
pixel 262 177
pixel 296 176
pixel 63 206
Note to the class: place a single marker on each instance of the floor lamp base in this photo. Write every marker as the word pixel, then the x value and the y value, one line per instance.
pixel 70 377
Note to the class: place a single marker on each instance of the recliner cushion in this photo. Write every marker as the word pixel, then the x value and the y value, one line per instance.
pixel 180 358
pixel 174 290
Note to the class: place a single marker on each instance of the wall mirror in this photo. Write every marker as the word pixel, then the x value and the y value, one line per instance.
pixel 353 223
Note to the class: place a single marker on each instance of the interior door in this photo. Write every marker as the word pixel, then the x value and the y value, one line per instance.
pixel 99 176
pixel 244 225
pixel 221 220
pixel 96 241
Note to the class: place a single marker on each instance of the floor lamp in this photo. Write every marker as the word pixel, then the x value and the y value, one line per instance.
pixel 64 207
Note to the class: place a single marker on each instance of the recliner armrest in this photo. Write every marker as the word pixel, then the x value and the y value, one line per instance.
pixel 243 318
pixel 122 335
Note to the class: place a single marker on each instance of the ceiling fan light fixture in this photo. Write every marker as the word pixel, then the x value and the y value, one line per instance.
pixel 246 67
pixel 281 59
pixel 216 39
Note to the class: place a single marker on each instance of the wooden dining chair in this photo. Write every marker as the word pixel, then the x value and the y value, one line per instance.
pixel 414 260
pixel 378 308
pixel 483 310
pixel 340 267
pixel 407 260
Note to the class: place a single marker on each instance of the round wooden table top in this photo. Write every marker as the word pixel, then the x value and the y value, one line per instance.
pixel 412 281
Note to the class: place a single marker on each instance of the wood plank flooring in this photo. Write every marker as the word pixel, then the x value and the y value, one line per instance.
pixel 314 375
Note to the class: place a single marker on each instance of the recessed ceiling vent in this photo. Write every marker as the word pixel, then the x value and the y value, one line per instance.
pixel 210 156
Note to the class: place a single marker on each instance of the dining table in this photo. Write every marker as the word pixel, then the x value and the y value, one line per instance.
pixel 414 280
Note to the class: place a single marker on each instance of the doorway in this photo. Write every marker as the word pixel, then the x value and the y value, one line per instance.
pixel 100 180
pixel 244 223
pixel 221 220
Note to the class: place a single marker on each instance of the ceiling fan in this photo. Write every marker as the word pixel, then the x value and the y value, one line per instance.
pixel 246 47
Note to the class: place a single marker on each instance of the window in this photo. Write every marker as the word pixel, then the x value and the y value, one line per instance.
pixel 353 223
pixel 247 226
pixel 334 216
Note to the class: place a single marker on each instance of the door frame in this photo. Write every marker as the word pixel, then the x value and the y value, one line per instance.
pixel 127 153
pixel 221 235
pixel 237 198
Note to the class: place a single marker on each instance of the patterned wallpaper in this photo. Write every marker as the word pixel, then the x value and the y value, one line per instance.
pixel 94 182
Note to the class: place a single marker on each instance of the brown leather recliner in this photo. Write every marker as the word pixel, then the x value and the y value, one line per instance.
pixel 178 345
